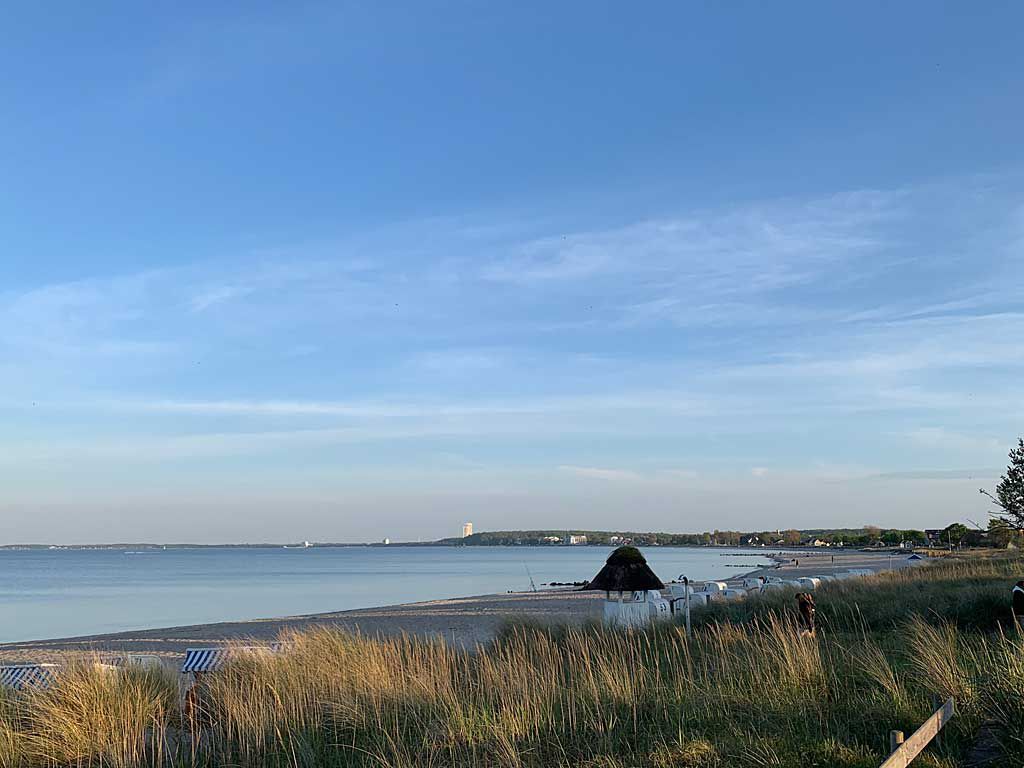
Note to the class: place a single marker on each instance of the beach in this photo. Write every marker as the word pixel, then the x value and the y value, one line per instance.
pixel 464 622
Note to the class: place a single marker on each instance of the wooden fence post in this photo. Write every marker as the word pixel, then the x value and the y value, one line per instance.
pixel 895 739
pixel 903 751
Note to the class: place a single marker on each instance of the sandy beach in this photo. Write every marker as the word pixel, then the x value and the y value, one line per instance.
pixel 462 621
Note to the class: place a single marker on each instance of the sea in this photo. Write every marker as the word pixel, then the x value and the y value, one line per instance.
pixel 51 593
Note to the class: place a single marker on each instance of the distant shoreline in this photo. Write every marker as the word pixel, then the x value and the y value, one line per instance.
pixel 753 548
pixel 462 621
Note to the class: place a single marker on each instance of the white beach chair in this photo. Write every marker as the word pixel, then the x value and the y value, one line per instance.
pixel 699 599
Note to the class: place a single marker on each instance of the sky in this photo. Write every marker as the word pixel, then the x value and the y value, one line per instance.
pixel 341 271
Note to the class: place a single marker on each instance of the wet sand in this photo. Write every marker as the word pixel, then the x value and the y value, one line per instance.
pixel 464 621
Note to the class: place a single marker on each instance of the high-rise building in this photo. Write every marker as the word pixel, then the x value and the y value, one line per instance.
pixel 467 529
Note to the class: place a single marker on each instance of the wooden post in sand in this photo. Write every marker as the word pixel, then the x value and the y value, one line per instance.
pixel 686 591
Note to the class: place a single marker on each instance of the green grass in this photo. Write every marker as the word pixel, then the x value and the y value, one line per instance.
pixel 972 593
pixel 744 691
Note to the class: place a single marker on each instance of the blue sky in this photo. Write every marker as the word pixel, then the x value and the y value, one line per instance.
pixel 352 270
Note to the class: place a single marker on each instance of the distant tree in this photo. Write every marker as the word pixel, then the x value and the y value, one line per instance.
pixel 917 537
pixel 977 538
pixel 791 536
pixel 873 532
pixel 955 533
pixel 1009 495
pixel 999 533
pixel 892 537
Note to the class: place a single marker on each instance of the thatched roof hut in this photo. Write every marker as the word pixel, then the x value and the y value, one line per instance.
pixel 625 571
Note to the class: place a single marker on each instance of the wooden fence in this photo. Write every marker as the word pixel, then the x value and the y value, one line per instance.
pixel 905 750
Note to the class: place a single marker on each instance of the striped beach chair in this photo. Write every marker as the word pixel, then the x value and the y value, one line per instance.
pixel 212 659
pixel 198 663
pixel 19 677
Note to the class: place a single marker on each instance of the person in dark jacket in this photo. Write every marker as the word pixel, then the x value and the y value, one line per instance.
pixel 1018 603
pixel 805 610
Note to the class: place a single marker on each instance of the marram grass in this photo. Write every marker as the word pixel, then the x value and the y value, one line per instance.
pixel 746 692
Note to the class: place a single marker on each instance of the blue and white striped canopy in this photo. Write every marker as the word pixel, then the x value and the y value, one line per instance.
pixel 209 659
pixel 22 676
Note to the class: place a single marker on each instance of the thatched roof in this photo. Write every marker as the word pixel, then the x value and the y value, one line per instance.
pixel 625 571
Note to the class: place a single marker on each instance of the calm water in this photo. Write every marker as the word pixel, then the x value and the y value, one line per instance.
pixel 60 593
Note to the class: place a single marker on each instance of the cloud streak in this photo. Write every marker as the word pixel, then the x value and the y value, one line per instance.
pixel 779 334
pixel 601 473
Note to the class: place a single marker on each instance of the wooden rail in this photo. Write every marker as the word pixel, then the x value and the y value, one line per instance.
pixel 904 751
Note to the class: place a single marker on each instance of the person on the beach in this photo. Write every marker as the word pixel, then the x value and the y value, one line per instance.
pixel 805 611
pixel 1018 604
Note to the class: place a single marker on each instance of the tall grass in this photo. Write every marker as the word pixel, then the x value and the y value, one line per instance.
pixel 92 716
pixel 972 593
pixel 750 693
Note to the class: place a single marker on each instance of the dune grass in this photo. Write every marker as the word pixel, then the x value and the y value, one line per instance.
pixel 971 592
pixel 745 690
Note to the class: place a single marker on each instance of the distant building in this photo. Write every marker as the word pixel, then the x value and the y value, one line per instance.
pixel 551 539
pixel 582 539
pixel 467 529
pixel 935 535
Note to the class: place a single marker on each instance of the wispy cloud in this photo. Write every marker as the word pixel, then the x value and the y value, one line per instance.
pixel 212 296
pixel 680 474
pixel 601 473
pixel 940 474
pixel 671 337
pixel 716 255
pixel 940 437
pixel 662 402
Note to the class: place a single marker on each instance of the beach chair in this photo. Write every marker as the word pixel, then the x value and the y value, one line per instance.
pixel 20 677
pixel 678 594
pixel 199 660
pixel 144 661
pixel 699 599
